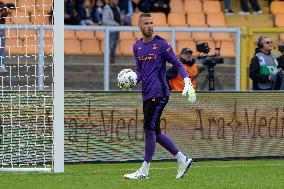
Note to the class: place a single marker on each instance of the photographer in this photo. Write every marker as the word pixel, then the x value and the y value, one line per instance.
pixel 175 81
pixel 263 67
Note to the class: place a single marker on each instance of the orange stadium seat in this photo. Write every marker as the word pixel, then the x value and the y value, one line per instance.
pixel 117 52
pixel 10 33
pixel 177 19
pixel 99 35
pixel 76 47
pixel 159 19
pixel 91 47
pixel 48 33
pixel 216 20
pixel 196 19
pixel 185 43
pixel 8 20
pixel 126 35
pixel 126 46
pixel 227 49
pixel 20 18
pixel 41 20
pixel 183 36
pixel 220 36
pixel 27 5
pixel 30 46
pixel 44 6
pixel 85 34
pixel 176 6
pixel 14 46
pixel 277 7
pixel 8 1
pixel 192 6
pixel 20 12
pixel 134 18
pixel 48 46
pixel 211 7
pixel 279 20
pixel 69 34
pixel 26 33
pixel 201 36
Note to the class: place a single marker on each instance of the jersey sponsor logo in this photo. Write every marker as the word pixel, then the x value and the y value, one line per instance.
pixel 272 68
pixel 147 57
pixel 139 48
pixel 268 69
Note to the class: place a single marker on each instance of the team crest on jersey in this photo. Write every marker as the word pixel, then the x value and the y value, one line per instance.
pixel 168 49
pixel 155 46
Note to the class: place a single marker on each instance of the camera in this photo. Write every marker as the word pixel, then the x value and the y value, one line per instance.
pixel 281 48
pixel 209 60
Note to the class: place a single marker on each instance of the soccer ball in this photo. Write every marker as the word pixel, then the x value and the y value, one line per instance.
pixel 127 79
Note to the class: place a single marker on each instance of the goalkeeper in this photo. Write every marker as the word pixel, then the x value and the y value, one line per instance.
pixel 151 53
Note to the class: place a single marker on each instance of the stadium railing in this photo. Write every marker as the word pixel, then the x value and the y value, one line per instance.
pixel 107 29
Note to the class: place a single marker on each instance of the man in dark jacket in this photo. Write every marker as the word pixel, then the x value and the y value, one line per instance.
pixel 263 67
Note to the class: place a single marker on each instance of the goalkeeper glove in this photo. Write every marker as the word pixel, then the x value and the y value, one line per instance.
pixel 189 90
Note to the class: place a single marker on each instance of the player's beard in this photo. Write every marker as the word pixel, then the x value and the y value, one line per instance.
pixel 147 33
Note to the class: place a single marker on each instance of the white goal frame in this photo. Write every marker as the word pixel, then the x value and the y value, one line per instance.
pixel 58 98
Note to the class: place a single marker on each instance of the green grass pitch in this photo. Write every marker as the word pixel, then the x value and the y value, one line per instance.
pixel 212 174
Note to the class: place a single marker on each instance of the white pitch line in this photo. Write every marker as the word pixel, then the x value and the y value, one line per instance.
pixel 167 168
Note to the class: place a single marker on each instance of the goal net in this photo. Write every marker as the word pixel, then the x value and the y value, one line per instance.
pixel 27 84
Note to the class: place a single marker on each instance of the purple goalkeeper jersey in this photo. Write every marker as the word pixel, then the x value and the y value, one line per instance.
pixel 151 58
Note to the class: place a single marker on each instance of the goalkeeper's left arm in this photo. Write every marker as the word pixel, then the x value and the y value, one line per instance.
pixel 188 88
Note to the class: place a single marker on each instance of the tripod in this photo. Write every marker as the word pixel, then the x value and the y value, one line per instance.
pixel 211 79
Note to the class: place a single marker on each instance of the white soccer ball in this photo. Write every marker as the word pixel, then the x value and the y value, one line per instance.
pixel 127 79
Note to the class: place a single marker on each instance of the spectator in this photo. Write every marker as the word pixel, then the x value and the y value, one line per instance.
pixel 245 9
pixel 84 9
pixel 155 6
pixel 161 6
pixel 135 4
pixel 112 17
pixel 126 9
pixel 228 10
pixel 3 14
pixel 71 16
pixel 263 67
pixel 188 62
pixel 97 12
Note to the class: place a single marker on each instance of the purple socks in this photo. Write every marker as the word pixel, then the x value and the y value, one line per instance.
pixel 150 144
pixel 167 143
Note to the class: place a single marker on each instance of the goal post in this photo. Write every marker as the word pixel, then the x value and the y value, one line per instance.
pixel 32 88
pixel 59 86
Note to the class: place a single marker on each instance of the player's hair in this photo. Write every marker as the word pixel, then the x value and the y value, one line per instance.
pixel 144 15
